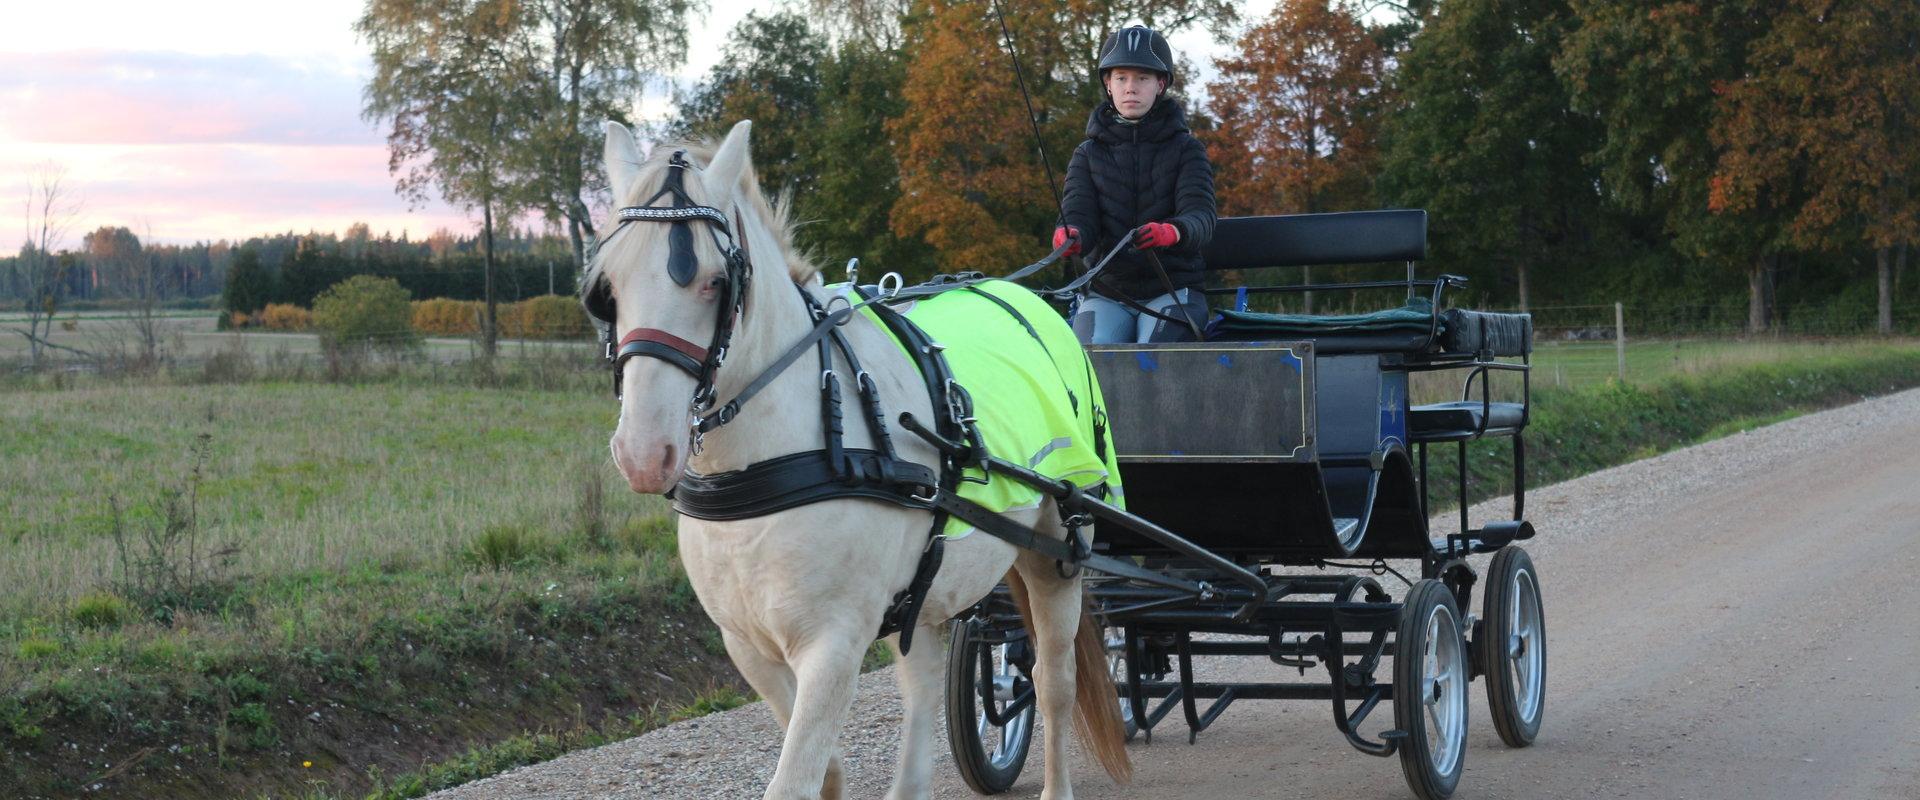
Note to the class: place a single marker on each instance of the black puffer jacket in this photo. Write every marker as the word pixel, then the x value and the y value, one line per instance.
pixel 1126 175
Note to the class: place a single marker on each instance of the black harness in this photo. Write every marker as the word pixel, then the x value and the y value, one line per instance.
pixel 785 482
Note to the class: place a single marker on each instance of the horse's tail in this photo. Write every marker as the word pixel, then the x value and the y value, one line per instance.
pixel 1096 713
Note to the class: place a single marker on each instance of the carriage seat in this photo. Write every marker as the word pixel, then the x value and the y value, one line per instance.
pixel 1464 419
pixel 1407 329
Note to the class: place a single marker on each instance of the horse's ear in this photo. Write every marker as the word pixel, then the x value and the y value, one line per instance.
pixel 623 161
pixel 731 162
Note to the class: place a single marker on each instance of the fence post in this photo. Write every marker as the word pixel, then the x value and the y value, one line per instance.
pixel 1620 338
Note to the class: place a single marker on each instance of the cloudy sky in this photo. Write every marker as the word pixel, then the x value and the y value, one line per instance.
pixel 215 119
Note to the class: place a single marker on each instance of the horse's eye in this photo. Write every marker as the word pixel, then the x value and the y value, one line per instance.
pixel 716 282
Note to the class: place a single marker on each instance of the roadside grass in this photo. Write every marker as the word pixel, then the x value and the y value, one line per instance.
pixel 202 577
pixel 1581 430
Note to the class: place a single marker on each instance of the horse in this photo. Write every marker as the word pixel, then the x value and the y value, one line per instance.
pixel 798 594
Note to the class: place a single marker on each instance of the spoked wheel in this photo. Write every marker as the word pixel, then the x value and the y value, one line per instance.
pixel 1513 647
pixel 1430 690
pixel 990 703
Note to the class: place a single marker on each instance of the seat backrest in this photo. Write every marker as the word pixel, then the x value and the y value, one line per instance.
pixel 1299 240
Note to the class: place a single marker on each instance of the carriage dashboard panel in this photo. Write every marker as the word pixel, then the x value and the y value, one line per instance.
pixel 1249 402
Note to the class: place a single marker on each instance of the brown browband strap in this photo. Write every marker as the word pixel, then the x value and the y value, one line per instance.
pixel 693 354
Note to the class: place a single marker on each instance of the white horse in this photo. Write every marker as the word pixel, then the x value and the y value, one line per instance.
pixel 799 594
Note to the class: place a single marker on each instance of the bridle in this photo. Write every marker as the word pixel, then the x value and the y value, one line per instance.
pixel 701 363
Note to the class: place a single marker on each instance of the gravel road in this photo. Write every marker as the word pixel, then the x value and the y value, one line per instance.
pixel 1737 620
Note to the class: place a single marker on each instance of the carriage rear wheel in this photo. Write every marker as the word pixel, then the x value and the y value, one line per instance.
pixel 1513 647
pixel 1430 690
pixel 989 748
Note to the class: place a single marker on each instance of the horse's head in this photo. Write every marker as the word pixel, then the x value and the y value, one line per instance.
pixel 669 280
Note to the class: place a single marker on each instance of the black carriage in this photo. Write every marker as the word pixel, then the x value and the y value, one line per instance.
pixel 1252 463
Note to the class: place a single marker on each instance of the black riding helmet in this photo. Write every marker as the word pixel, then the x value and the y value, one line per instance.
pixel 1139 47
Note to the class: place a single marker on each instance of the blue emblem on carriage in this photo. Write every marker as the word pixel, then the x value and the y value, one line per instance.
pixel 1393 402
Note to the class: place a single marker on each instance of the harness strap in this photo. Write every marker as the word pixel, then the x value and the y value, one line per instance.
pixel 731 408
pixel 789 481
pixel 662 345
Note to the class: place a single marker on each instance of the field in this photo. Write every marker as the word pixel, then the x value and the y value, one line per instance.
pixel 206 561
pixel 193 569
pixel 192 336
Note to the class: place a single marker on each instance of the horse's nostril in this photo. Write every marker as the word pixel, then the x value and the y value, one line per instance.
pixel 667 462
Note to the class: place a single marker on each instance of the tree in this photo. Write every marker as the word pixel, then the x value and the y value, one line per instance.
pixel 1826 118
pixel 120 264
pixel 586 61
pixel 770 70
pixel 971 184
pixel 50 212
pixel 1485 140
pixel 1652 74
pixel 448 76
pixel 365 311
pixel 249 288
pixel 1295 114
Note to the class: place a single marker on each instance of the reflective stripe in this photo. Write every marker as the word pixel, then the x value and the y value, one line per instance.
pixel 1060 443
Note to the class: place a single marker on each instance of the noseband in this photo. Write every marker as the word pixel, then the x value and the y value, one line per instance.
pixel 701 363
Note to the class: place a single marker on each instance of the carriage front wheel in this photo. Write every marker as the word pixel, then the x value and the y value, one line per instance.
pixel 1513 647
pixel 1430 690
pixel 990 702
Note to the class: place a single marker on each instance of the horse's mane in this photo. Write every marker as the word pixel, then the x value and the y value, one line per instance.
pixel 779 218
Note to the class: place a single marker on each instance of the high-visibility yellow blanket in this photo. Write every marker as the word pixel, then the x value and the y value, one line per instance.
pixel 1034 392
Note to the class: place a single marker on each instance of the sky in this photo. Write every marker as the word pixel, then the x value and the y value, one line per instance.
pixel 220 119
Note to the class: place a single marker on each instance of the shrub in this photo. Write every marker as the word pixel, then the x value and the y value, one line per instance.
pixel 365 310
pixel 549 316
pixel 285 317
pixel 441 316
pixel 101 610
pixel 507 546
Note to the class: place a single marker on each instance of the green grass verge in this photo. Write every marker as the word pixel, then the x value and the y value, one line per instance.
pixel 1582 430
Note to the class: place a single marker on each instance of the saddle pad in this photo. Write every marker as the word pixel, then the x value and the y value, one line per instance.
pixel 1034 392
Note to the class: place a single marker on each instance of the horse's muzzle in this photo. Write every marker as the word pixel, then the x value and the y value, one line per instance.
pixel 648 468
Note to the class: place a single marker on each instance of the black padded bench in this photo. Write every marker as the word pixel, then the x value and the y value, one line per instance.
pixel 1356 237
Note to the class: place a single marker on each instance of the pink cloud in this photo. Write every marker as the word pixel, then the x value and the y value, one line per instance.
pixel 197 147
pixel 160 98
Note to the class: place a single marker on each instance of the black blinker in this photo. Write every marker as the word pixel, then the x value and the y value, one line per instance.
pixel 599 302
pixel 680 262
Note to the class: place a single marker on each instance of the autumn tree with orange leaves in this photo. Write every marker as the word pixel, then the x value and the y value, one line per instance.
pixel 1823 127
pixel 972 183
pixel 1295 113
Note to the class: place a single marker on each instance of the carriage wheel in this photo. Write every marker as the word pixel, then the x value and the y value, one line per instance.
pixel 1430 690
pixel 1513 647
pixel 990 756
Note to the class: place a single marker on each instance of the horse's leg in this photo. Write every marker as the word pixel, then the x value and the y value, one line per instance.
pixel 828 671
pixel 1053 613
pixel 769 677
pixel 919 674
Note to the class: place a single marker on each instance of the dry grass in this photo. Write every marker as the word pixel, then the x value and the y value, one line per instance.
pixel 301 476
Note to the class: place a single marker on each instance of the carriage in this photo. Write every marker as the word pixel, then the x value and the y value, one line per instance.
pixel 1299 453
pixel 1273 474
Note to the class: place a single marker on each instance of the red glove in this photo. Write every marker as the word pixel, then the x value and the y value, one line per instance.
pixel 1062 235
pixel 1155 234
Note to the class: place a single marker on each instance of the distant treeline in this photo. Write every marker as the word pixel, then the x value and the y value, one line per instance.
pixel 293 268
